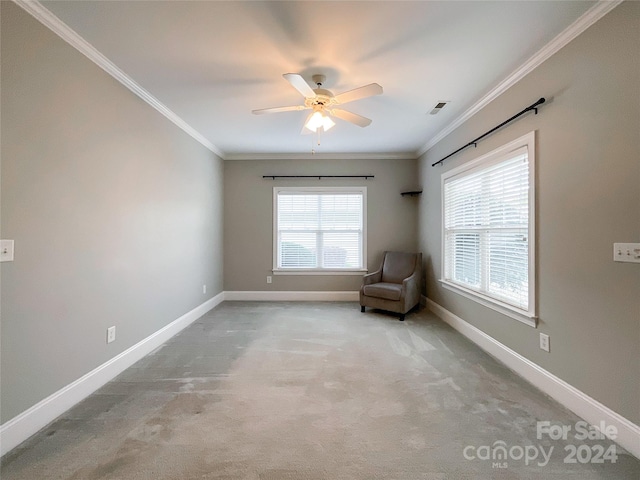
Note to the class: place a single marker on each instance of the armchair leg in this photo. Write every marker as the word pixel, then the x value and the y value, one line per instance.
pixel 362 308
pixel 402 317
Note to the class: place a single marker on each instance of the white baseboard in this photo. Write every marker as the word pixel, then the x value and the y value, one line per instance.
pixel 628 433
pixel 18 429
pixel 21 427
pixel 275 296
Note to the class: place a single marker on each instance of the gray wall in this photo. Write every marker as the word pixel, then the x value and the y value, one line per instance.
pixel 115 212
pixel 248 220
pixel 588 197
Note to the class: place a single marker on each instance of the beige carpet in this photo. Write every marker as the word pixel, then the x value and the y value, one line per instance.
pixel 309 391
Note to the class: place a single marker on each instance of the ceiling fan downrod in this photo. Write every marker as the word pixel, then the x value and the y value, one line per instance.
pixel 318 79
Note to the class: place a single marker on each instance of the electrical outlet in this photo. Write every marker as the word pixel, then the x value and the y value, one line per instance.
pixel 544 342
pixel 111 334
pixel 269 279
pixel 204 289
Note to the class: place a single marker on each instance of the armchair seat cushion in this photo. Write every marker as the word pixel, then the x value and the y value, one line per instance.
pixel 388 291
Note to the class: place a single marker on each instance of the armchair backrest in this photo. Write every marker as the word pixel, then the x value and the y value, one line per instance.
pixel 397 266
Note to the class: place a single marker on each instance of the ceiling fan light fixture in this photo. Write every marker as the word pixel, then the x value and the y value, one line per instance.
pixel 327 123
pixel 318 120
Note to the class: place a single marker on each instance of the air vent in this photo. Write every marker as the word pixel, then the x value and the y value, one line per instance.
pixel 439 106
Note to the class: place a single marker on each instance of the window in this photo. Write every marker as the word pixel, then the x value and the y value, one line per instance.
pixel 488 229
pixel 319 230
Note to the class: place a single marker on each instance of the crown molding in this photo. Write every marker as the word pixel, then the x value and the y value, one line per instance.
pixel 57 26
pixel 587 19
pixel 48 19
pixel 320 156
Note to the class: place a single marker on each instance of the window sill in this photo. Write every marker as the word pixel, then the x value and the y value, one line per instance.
pixel 303 271
pixel 500 307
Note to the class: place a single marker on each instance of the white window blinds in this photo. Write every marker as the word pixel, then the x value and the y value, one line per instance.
pixel 487 215
pixel 318 230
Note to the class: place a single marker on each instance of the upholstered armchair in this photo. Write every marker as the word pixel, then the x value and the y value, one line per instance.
pixel 395 286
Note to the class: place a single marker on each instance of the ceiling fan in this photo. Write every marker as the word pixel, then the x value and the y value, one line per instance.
pixel 323 103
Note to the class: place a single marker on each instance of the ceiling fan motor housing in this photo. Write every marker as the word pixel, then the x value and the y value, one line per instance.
pixel 323 98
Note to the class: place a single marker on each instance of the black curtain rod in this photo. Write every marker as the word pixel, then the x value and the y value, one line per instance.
pixel 319 177
pixel 473 142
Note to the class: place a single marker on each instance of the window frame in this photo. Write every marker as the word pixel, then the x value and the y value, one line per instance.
pixel 361 190
pixel 485 161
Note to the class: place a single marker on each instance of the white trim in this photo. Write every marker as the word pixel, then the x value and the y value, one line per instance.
pixel 320 272
pixel 575 400
pixel 51 21
pixel 21 427
pixel 491 303
pixel 497 155
pixel 57 26
pixel 322 156
pixel 291 296
pixel 357 189
pixel 487 160
pixel 587 19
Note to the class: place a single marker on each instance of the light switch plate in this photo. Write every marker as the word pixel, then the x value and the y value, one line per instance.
pixel 626 252
pixel 6 250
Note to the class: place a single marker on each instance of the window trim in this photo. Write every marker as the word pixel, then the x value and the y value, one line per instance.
pixel 497 155
pixel 320 271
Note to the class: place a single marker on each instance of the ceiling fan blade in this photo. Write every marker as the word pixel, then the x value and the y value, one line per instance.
pixel 358 93
pixel 292 108
pixel 300 84
pixel 351 117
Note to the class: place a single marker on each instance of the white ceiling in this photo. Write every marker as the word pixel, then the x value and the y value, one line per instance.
pixel 213 62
